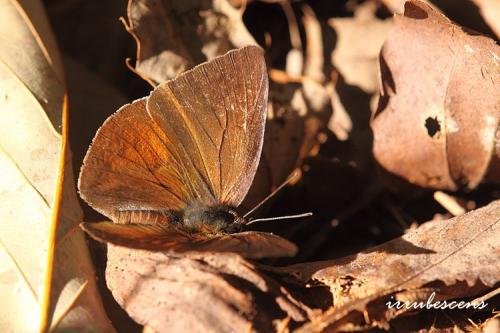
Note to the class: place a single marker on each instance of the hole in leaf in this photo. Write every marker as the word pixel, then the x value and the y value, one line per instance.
pixel 433 126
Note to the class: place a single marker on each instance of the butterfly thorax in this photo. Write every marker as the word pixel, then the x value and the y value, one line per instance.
pixel 211 220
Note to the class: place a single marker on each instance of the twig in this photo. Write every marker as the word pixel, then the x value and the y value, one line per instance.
pixel 450 203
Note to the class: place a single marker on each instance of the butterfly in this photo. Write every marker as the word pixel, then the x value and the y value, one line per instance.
pixel 170 169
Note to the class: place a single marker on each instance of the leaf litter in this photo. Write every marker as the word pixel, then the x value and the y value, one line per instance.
pixel 323 90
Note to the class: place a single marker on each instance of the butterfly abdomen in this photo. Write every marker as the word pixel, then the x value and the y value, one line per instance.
pixel 147 216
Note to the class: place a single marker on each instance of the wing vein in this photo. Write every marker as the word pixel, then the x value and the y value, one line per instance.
pixel 160 183
pixel 189 126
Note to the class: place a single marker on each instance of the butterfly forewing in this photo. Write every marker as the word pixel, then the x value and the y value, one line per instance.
pixel 139 236
pixel 129 167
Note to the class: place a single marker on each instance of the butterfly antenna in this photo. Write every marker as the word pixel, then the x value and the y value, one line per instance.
pixel 286 217
pixel 290 178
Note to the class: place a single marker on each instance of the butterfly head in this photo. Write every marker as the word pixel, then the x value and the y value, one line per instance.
pixel 212 220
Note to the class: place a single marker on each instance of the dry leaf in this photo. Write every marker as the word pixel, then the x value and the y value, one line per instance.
pixel 197 292
pixel 46 277
pixel 455 258
pixel 439 112
pixel 224 292
pixel 191 32
pixel 355 57
pixel 490 10
pixel 442 321
pixel 466 10
pixel 492 325
pixel 359 40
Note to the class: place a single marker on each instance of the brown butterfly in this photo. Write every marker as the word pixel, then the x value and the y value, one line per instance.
pixel 169 169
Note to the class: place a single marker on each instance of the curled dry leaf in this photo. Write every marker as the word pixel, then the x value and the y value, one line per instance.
pixel 438 117
pixel 197 292
pixel 455 258
pixel 489 10
pixel 46 276
pixel 191 32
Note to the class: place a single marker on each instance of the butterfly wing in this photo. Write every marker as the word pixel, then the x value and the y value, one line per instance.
pixel 250 244
pixel 137 235
pixel 197 138
pixel 130 167
pixel 216 114
pixel 157 237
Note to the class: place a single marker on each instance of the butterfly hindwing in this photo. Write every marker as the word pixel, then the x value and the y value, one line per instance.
pixel 157 237
pixel 129 166
pixel 250 244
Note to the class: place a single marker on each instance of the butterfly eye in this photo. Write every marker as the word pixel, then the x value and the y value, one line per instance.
pixel 234 227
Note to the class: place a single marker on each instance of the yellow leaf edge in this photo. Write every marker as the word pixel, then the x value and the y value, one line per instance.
pixel 45 315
